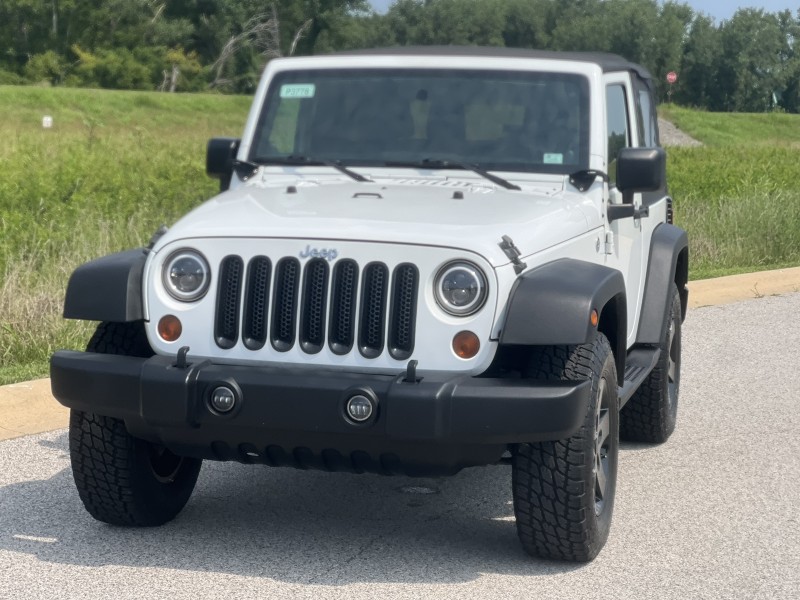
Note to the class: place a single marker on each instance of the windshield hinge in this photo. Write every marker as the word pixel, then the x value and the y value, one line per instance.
pixel 512 252
pixel 244 169
pixel 583 180
pixel 609 242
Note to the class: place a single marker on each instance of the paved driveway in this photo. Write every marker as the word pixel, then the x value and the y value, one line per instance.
pixel 714 513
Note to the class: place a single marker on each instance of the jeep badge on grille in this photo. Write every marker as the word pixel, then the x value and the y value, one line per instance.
pixel 329 254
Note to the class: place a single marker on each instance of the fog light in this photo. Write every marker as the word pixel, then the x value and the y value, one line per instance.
pixel 170 328
pixel 223 399
pixel 466 344
pixel 359 408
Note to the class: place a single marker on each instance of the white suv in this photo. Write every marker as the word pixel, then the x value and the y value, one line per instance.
pixel 420 260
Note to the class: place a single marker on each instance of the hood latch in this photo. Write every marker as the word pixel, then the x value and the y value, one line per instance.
pixel 510 249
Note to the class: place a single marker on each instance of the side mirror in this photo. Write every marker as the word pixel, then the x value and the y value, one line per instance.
pixel 220 154
pixel 640 170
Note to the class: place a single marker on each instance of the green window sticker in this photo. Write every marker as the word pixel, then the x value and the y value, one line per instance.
pixel 552 158
pixel 298 90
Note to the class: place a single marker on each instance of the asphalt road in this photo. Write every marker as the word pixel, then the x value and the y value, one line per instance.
pixel 713 513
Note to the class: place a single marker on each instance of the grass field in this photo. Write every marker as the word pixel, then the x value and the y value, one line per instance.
pixel 737 196
pixel 112 169
pixel 116 165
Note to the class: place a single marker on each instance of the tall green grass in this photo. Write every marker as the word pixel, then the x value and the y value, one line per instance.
pixel 729 129
pixel 738 196
pixel 113 168
pixel 739 205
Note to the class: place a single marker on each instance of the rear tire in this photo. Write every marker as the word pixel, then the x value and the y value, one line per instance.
pixel 564 490
pixel 123 480
pixel 651 413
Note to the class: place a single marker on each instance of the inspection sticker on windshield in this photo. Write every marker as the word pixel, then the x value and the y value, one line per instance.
pixel 552 158
pixel 298 90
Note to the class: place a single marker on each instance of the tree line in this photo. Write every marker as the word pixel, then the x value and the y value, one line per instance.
pixel 750 62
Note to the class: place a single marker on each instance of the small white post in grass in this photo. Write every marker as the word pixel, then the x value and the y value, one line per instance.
pixel 47 122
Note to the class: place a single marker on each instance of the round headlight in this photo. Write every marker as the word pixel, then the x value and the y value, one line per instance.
pixel 186 275
pixel 460 288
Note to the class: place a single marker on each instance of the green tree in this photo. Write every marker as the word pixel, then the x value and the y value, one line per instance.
pixel 750 62
pixel 529 23
pixel 48 67
pixel 750 68
pixel 113 69
pixel 702 54
pixel 790 60
pixel 408 23
pixel 671 34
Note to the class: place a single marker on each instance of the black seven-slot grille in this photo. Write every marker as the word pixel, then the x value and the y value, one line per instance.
pixel 343 307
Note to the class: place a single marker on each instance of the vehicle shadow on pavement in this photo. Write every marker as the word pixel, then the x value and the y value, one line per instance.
pixel 300 527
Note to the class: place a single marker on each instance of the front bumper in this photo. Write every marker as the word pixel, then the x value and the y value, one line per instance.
pixel 293 416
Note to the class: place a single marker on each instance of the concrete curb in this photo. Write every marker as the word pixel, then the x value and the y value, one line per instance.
pixel 735 288
pixel 28 407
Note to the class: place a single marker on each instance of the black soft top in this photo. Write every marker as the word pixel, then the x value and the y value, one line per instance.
pixel 609 63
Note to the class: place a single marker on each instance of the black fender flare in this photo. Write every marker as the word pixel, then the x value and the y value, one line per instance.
pixel 668 262
pixel 107 289
pixel 552 305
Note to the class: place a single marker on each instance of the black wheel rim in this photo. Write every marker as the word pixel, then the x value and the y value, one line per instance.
pixel 603 441
pixel 673 363
pixel 164 464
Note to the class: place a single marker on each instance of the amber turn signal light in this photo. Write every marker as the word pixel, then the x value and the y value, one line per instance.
pixel 594 319
pixel 466 344
pixel 170 328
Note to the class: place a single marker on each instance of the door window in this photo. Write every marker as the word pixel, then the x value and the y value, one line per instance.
pixel 617 127
pixel 648 120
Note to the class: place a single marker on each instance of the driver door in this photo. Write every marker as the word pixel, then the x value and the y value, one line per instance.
pixel 624 240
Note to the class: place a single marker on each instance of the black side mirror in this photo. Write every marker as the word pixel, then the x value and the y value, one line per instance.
pixel 220 154
pixel 640 170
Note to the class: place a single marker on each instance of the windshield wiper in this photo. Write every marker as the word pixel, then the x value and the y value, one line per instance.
pixel 433 163
pixel 295 159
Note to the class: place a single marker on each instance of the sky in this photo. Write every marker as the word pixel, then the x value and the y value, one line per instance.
pixel 719 9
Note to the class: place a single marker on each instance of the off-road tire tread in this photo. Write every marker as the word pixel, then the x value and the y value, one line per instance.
pixel 645 417
pixel 128 339
pixel 107 461
pixel 548 478
pixel 100 448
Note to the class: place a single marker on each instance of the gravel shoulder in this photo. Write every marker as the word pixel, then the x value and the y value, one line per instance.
pixel 672 136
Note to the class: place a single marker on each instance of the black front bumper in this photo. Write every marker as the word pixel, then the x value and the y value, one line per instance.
pixel 296 416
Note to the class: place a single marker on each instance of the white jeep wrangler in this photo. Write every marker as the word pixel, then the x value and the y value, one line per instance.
pixel 421 259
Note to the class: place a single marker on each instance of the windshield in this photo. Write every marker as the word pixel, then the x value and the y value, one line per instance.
pixel 499 120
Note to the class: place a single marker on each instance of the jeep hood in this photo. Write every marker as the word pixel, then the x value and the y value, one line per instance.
pixel 425 211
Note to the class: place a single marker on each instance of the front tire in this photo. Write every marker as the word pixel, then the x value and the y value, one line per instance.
pixel 120 479
pixel 564 490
